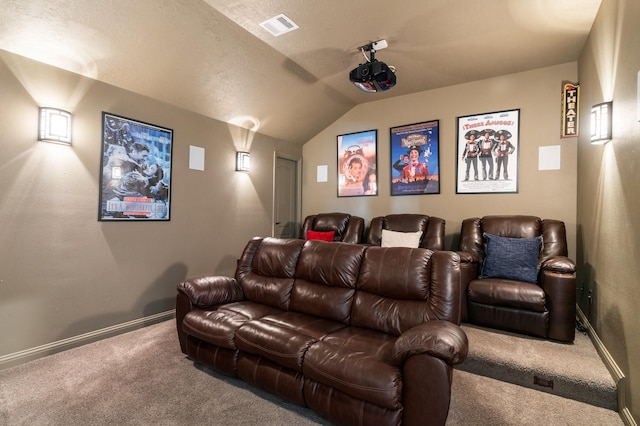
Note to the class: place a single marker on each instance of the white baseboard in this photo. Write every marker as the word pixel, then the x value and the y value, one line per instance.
pixel 615 371
pixel 31 354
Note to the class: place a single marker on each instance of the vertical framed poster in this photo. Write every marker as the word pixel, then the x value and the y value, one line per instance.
pixel 415 167
pixel 358 164
pixel 487 148
pixel 135 178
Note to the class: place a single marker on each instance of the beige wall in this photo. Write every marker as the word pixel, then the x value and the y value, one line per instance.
pixel 63 273
pixel 548 194
pixel 608 188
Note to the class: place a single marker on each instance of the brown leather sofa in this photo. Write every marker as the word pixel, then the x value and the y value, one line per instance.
pixel 432 229
pixel 346 228
pixel 360 334
pixel 543 307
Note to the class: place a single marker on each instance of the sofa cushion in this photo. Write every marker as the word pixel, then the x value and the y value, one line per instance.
pixel 322 236
pixel 283 338
pixel 394 290
pixel 511 258
pixel 326 279
pixel 219 327
pixel 267 276
pixel 339 362
pixel 400 239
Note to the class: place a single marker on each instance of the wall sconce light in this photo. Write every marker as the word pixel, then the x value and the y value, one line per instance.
pixel 54 125
pixel 601 123
pixel 242 161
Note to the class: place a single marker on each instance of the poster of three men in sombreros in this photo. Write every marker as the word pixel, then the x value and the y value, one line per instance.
pixel 487 149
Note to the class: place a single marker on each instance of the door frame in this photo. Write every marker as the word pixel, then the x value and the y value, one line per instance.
pixel 298 161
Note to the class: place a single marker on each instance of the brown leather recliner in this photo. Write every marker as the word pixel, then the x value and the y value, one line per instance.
pixel 432 229
pixel 347 228
pixel 544 308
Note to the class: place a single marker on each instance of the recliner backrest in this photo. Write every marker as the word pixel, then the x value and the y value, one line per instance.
pixel 553 232
pixel 346 228
pixel 433 229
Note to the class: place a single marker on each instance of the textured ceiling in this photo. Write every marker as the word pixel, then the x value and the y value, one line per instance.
pixel 213 58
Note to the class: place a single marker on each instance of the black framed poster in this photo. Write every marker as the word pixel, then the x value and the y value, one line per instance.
pixel 357 164
pixel 415 167
pixel 487 147
pixel 135 179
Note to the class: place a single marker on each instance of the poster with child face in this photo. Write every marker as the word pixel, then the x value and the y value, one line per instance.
pixel 357 164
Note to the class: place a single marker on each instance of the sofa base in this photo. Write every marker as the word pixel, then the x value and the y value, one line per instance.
pixel 342 409
pixel 219 359
pixel 273 378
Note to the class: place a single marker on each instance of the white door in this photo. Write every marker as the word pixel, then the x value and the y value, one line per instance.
pixel 286 199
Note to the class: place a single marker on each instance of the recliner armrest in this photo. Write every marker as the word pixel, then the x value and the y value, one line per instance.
pixel 469 270
pixel 354 230
pixel 211 291
pixel 559 264
pixel 560 292
pixel 466 257
pixel 442 339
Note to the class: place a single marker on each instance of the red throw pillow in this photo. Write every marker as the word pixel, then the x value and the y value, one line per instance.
pixel 323 236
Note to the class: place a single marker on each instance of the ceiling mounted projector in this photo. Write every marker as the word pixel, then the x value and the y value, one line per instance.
pixel 373 75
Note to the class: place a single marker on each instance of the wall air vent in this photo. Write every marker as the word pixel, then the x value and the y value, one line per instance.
pixel 279 25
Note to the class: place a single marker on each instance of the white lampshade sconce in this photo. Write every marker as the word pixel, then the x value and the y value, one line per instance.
pixel 243 161
pixel 54 125
pixel 601 123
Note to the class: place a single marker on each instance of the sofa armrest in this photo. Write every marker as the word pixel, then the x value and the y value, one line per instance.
pixel 211 291
pixel 442 339
pixel 203 293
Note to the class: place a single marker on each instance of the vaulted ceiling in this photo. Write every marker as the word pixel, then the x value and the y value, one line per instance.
pixel 212 57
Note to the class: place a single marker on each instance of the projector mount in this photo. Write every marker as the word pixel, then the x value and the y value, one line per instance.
pixel 373 47
pixel 373 75
pixel 376 45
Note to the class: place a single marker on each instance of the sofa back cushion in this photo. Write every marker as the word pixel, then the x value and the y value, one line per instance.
pixel 266 270
pixel 326 278
pixel 399 288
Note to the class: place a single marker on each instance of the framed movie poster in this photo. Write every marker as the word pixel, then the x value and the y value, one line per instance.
pixel 135 178
pixel 487 148
pixel 357 164
pixel 415 167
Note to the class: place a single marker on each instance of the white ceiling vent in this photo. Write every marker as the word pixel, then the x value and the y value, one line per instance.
pixel 279 25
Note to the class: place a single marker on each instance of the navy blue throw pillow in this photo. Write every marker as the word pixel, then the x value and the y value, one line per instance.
pixel 511 258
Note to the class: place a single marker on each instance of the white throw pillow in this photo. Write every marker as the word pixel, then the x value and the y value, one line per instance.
pixel 400 239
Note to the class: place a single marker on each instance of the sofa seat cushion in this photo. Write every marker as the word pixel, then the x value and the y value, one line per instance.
pixel 364 340
pixel 357 362
pixel 218 327
pixel 284 338
pixel 508 293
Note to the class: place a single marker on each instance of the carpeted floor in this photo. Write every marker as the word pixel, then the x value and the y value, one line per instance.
pixel 142 378
pixel 572 371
